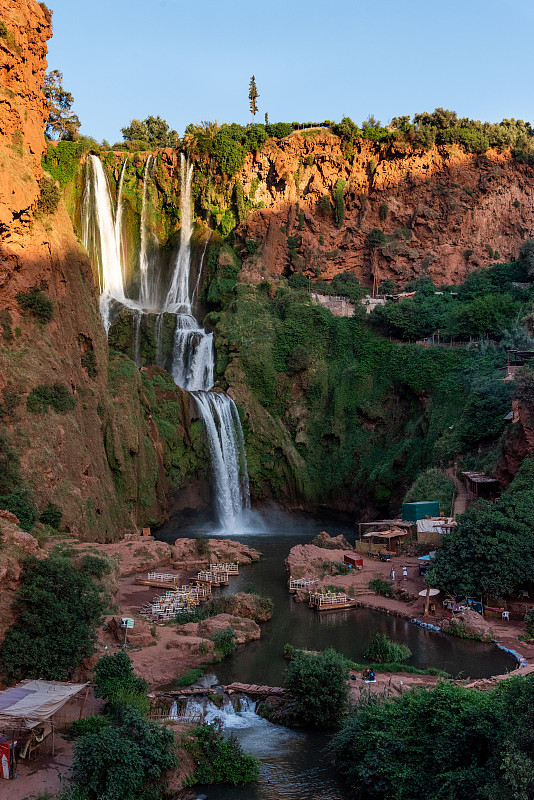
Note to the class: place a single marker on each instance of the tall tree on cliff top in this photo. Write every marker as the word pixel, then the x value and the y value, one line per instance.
pixel 253 95
pixel 62 123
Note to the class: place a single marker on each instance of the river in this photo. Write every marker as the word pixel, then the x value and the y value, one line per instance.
pixel 293 764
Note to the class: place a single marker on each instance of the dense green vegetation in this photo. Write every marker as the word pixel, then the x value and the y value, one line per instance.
pixel 369 405
pixel 319 685
pixel 382 650
pixel 37 303
pixel 446 743
pixel 122 755
pixel 219 759
pixel 487 304
pixel 432 484
pixel 58 608
pixel 490 552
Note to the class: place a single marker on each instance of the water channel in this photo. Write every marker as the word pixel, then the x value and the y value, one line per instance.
pixel 293 764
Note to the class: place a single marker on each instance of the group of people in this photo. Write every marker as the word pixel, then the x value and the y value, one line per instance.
pixel 404 573
pixel 368 675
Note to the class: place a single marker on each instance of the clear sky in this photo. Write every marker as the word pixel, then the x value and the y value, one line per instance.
pixel 312 60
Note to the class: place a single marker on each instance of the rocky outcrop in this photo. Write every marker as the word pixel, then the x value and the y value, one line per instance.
pixel 22 108
pixel 97 453
pixel 444 212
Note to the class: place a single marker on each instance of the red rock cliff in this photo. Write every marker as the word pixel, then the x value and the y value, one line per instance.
pixel 64 457
pixel 444 211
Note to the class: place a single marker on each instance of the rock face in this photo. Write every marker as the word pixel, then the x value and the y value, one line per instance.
pixel 324 539
pixel 446 212
pixel 101 459
pixel 23 108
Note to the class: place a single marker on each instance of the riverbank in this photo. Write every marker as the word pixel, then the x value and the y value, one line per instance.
pixel 311 562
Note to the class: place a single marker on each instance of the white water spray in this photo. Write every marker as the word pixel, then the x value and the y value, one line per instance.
pixel 193 360
pixel 178 300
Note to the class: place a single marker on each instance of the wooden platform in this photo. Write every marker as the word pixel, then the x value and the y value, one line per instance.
pixel 155 584
pixel 336 606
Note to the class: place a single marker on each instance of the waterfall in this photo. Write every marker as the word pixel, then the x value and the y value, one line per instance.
pixel 178 299
pixel 99 236
pixel 137 330
pixel 231 719
pixel 118 214
pixel 228 458
pixel 147 291
pixel 193 360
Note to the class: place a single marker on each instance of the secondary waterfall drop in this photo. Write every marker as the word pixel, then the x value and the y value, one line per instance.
pixel 193 369
pixel 193 359
pixel 100 237
pixel 146 299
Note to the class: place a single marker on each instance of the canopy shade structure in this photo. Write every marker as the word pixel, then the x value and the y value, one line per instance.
pixel 428 557
pixel 30 703
pixel 385 534
pixel 431 592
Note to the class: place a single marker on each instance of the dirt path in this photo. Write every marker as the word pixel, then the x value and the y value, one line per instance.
pixel 460 497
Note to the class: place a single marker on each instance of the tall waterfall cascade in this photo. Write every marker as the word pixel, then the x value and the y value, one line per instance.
pixel 193 359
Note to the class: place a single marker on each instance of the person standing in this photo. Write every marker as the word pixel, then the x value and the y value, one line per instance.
pixel 404 573
pixel 392 574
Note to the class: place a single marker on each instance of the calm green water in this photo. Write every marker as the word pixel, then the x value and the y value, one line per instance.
pixel 293 765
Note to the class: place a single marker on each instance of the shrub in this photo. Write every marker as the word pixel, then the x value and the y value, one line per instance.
pixel 339 202
pixel 252 246
pixel 3 30
pixel 88 362
pixel 219 760
pixel 224 642
pixel 49 195
pixel 383 212
pixel 381 650
pixel 20 502
pixel 432 484
pixel 95 565
pixel 325 205
pixel 376 237
pixel 45 395
pixel 37 302
pixel 93 724
pixel 125 761
pixel 189 677
pixel 115 679
pixel 58 611
pixel 380 586
pixel 319 684
pixel 529 621
pixel 51 515
pixel 524 384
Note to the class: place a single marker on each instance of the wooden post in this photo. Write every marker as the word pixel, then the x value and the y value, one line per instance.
pixel 53 739
pixel 83 701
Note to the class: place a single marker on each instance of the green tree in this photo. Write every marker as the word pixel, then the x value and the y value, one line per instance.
pixel 432 484
pixel 124 762
pixel 319 684
pixel 58 609
pixel 432 744
pixel 253 95
pixel 153 130
pixel 526 256
pixel 490 551
pixel 62 123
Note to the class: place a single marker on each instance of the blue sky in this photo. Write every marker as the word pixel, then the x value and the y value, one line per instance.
pixel 312 60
